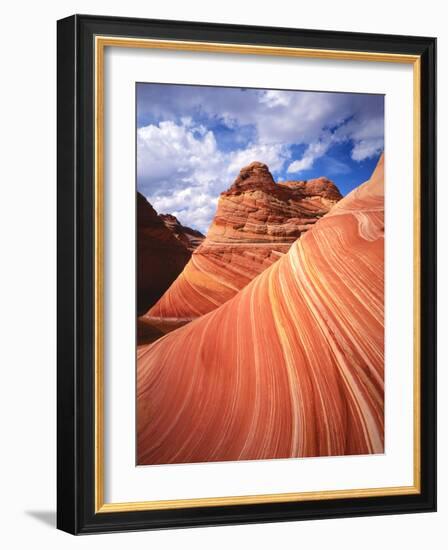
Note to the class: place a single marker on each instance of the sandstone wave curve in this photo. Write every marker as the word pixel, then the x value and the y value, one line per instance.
pixel 292 366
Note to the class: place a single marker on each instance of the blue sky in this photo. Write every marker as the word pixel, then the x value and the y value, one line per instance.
pixel 193 140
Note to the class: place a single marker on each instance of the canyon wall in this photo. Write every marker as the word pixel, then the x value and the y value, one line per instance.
pixel 164 247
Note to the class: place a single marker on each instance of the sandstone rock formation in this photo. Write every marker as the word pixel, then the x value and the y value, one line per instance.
pixel 163 249
pixel 291 366
pixel 190 238
pixel 256 222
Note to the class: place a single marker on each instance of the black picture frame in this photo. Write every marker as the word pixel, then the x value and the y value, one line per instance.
pixel 76 264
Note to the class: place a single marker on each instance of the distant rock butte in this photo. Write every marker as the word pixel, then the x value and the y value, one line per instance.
pixel 256 222
pixel 163 249
pixel 190 238
pixel 291 366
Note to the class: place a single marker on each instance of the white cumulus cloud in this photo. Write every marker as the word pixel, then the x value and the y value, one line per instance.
pixel 181 170
pixel 367 148
pixel 312 153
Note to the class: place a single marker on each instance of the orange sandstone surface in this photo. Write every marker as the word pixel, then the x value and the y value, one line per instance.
pixel 291 366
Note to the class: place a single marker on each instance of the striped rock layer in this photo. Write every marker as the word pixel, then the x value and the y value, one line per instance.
pixel 256 222
pixel 292 366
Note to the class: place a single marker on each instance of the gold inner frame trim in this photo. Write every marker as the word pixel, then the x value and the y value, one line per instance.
pixel 101 42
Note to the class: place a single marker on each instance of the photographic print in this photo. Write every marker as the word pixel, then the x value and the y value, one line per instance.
pixel 232 304
pixel 260 274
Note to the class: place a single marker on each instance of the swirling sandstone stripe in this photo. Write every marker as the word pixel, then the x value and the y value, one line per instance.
pixel 292 366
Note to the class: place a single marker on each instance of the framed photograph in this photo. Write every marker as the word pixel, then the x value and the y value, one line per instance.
pixel 246 274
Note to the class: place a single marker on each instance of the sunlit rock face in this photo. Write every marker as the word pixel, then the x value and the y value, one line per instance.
pixel 256 222
pixel 291 366
pixel 163 249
